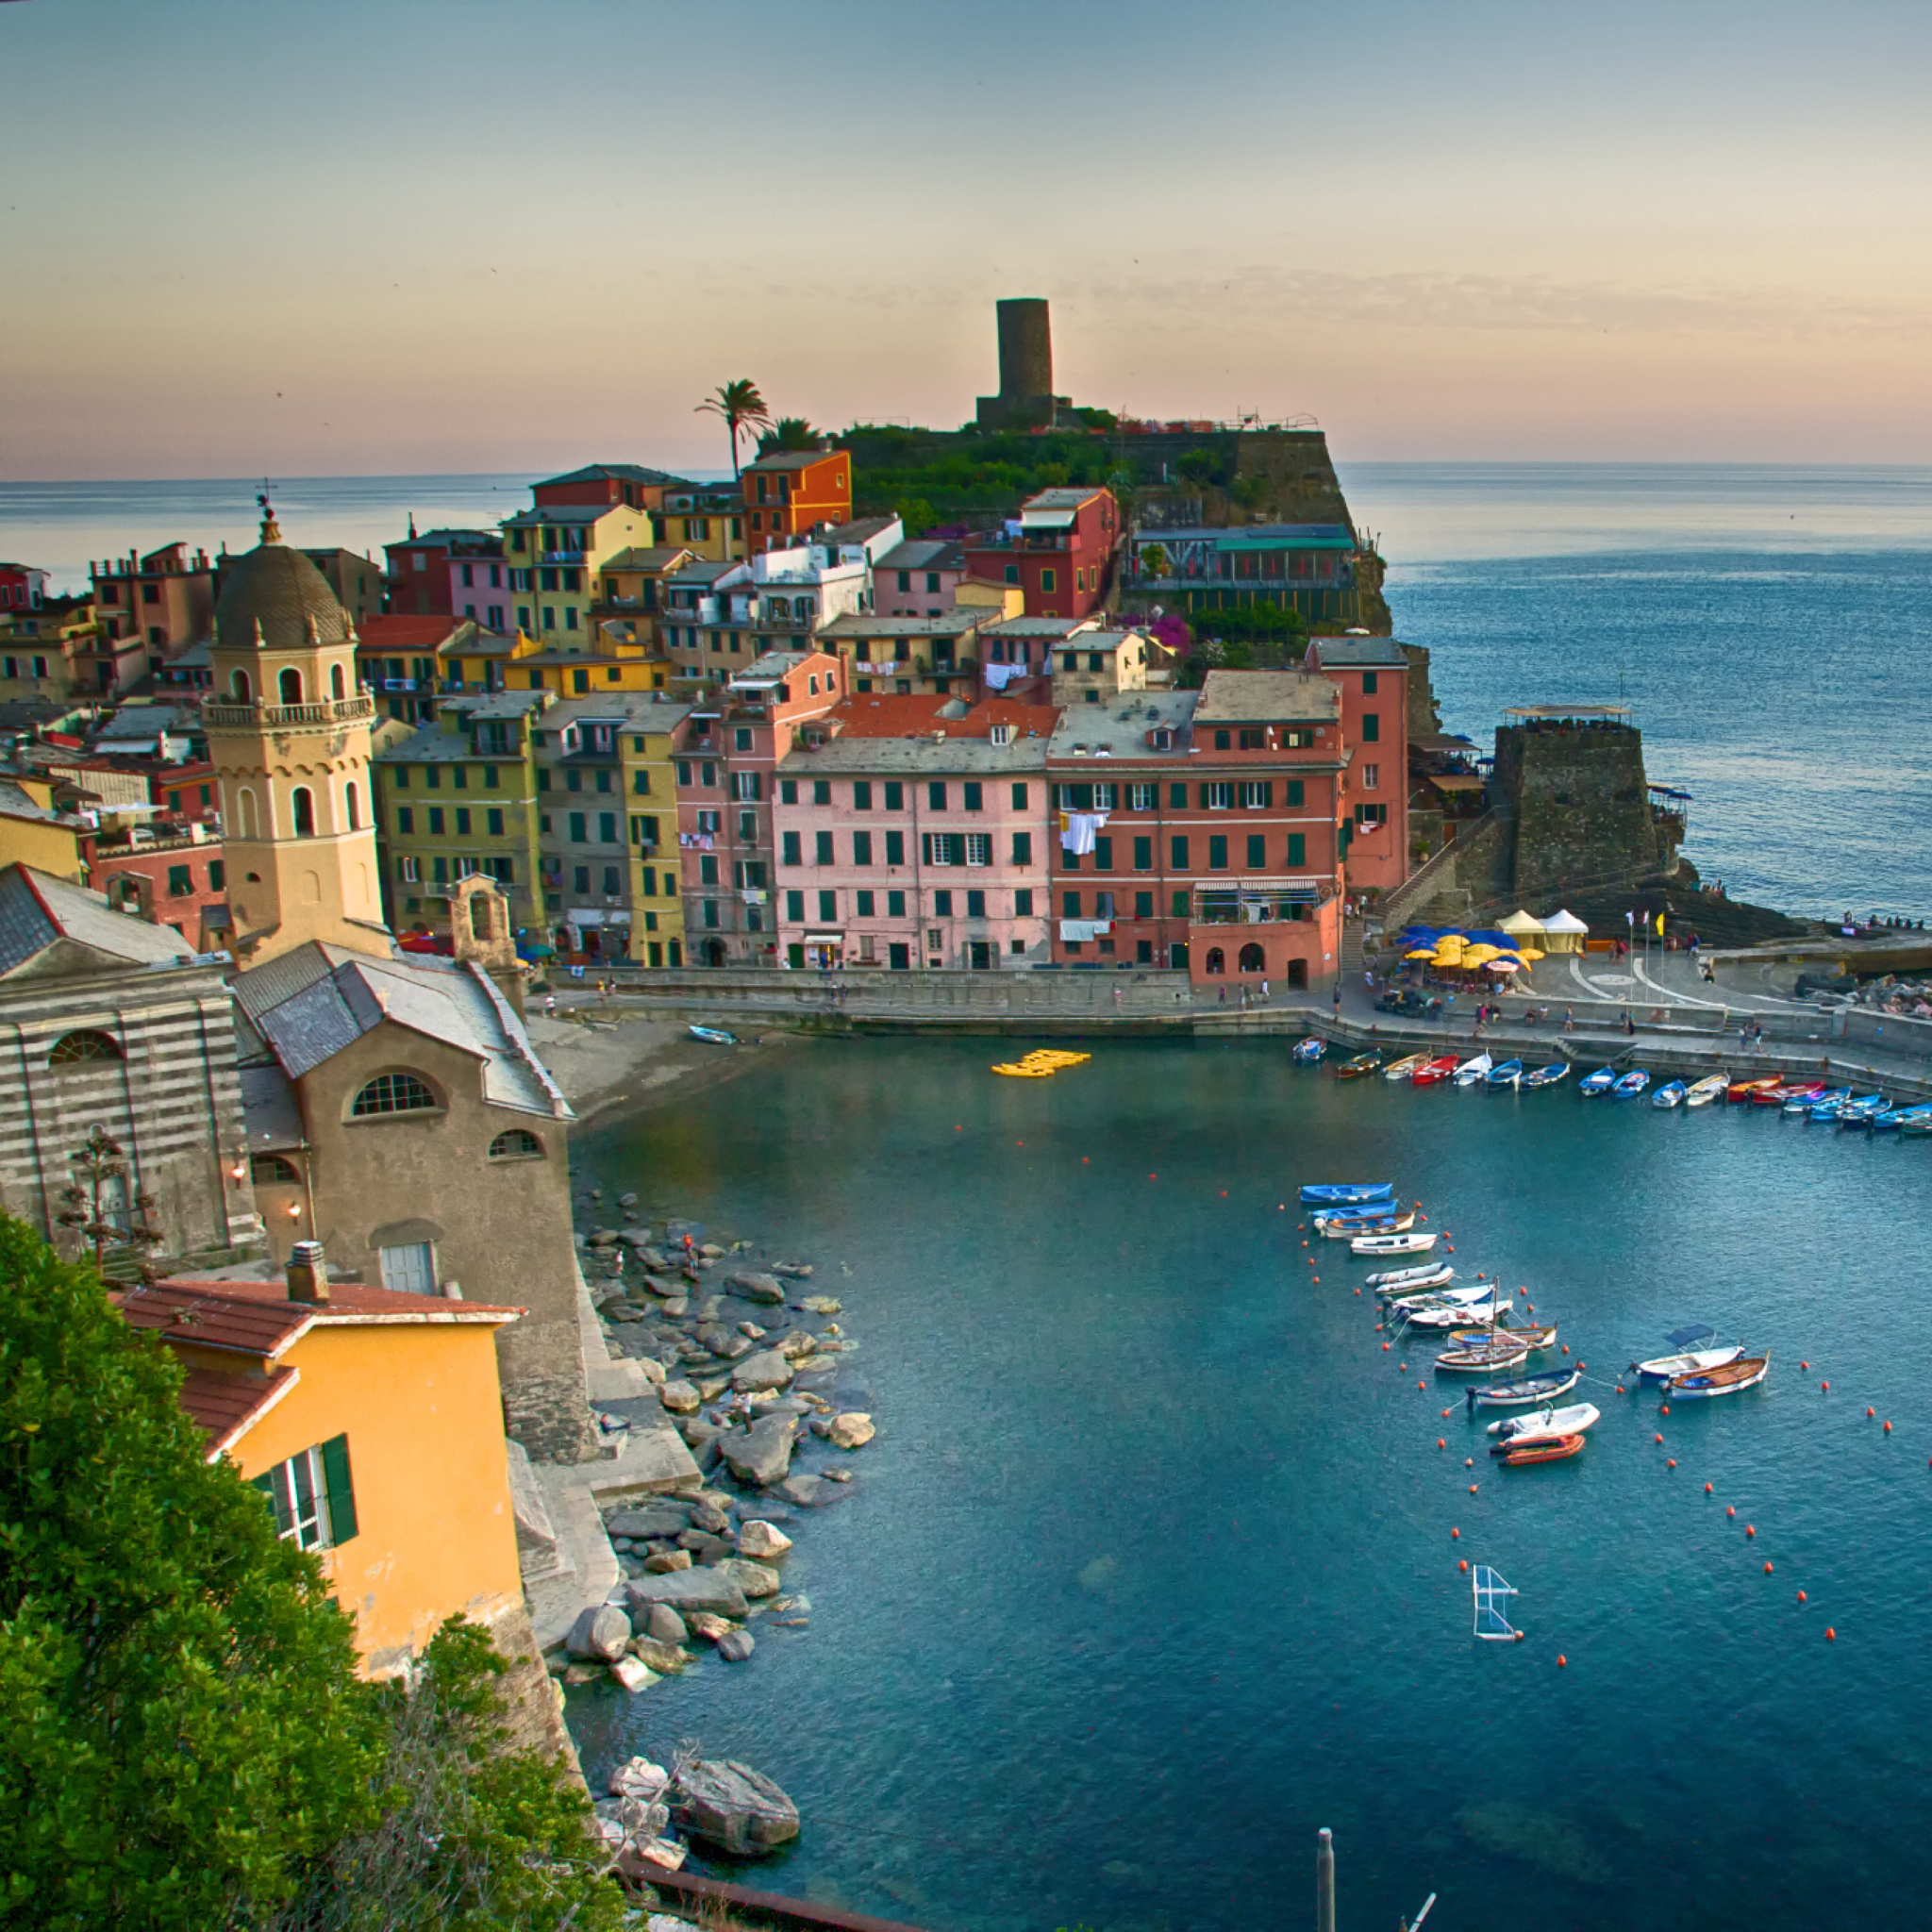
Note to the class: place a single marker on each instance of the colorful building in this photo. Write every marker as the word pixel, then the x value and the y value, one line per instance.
pixel 556 556
pixel 1097 666
pixel 924 656
pixel 400 661
pixel 919 577
pixel 1306 568
pixel 788 492
pixel 914 834
pixel 605 486
pixel 649 763
pixel 164 601
pixel 180 882
pixel 424 569
pixel 23 587
pixel 333 1399
pixel 357 582
pixel 1372 677
pixel 59 648
pixel 1059 550
pixel 707 518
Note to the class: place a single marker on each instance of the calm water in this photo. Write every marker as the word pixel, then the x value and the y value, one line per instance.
pixel 1149 1573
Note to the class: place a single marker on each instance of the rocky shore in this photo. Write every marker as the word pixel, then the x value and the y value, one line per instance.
pixel 753 1370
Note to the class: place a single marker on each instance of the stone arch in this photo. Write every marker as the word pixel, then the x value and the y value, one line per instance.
pixel 352 802
pixel 311 889
pixel 1216 961
pixel 84 1046
pixel 1253 960
pixel 337 689
pixel 302 801
pixel 245 825
pixel 240 686
pixel 289 684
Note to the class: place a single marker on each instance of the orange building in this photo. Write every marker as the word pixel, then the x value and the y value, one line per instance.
pixel 372 1423
pixel 788 494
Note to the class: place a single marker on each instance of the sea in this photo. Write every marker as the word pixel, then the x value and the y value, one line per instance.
pixel 1768 626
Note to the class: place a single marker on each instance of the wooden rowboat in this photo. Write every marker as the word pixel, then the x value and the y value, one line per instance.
pixel 1533 1336
pixel 1484 1357
pixel 1727 1378
pixel 1407 1064
pixel 1552 1449
pixel 1355 1069
pixel 1532 1389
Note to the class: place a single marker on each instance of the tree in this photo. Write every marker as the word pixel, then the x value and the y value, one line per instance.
pixel 97 1206
pixel 916 513
pixel 789 433
pixel 741 408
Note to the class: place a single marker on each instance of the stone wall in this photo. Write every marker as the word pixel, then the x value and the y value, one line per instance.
pixel 1581 804
pixel 1478 868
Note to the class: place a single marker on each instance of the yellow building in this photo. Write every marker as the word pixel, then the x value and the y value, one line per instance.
pixel 52 650
pixel 33 833
pixel 372 1423
pixel 480 660
pixel 707 519
pixel 650 791
pixel 556 553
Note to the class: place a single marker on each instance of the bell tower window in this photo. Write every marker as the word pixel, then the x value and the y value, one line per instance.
pixel 353 802
pixel 290 682
pixel 244 691
pixel 303 802
pixel 336 687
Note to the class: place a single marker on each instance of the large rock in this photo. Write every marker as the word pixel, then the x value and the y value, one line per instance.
pixel 667 1563
pixel 680 1397
pixel 706 1624
pixel 755 1579
pixel 852 1430
pixel 765 1289
pixel 759 1539
pixel 762 1454
pixel 652 1520
pixel 632 1674
pixel 806 1490
pixel 639 1779
pixel 601 1631
pixel 662 1624
pixel 667 1659
pixel 767 1368
pixel 725 1343
pixel 686 1591
pixel 734 1807
pixel 735 1646
pixel 797 1345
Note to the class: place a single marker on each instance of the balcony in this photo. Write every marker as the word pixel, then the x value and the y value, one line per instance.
pixel 1260 902
pixel 264 717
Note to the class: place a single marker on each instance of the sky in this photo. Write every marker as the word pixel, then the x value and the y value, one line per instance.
pixel 440 236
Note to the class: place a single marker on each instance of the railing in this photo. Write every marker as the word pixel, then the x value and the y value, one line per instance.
pixel 282 717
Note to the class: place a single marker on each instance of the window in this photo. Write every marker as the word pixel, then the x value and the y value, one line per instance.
pixel 612 882
pixel 313 1497
pixel 518 1145
pixel 861 848
pixel 1257 851
pixel 942 909
pixel 1216 961
pixel 432 778
pixel 794 907
pixel 944 848
pixel 409 869
pixel 744 786
pixel 710 912
pixel 828 906
pixel 1366 815
pixel 1253 738
pixel 217 876
pixel 1371 728
pixel 271 1170
pixel 1371 777
pixel 71 1049
pixel 895 795
pixel 1023 903
pixel 1048 581
pixel 580 875
pixel 861 795
pixel 1142 797
pixel 290 686
pixel 1223 740
pixel 1180 854
pixel 895 848
pixel 579 824
pixel 895 905
pixel 1179 906
pixel 788 849
pixel 493 819
pixel 1297 848
pixel 180 882
pixel 862 904
pixel 1023 848
pixel 1296 791
pixel 975 796
pixel 740 738
pixel 978 849
pixel 1143 852
pixel 707 870
pixel 607 833
pixel 1257 794
pixel 821 848
pixel 1069 905
pixel 1103 854
pixel 1019 797
pixel 1178 797
pixel 975 905
pixel 303 802
pixel 1368 684
pixel 392 1093
pixel 1218 797
pixel 936 794
pixel 462 820
pixel 410 1267
pixel 1217 852
pixel 1012 573
pixel 1143 905
pixel 1252 959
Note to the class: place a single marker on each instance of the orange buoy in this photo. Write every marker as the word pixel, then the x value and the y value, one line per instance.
pixel 1870 1412
pixel 1469 1462
pixel 1805 1365
pixel 1620 1386
pixel 1445 1411
pixel 1404 1366
pixel 1223 1192
pixel 1441 1443
pixel 1472 1489
pixel 1519 1636
pixel 1729 1509
pixel 1801 1596
pixel 1706 1488
pixel 1750 1529
pixel 1420 1386
pixel 1450 1245
pixel 1664 1408
pixel 1562 1662
pixel 1672 1463
pixel 1887 1428
pixel 1454 1533
pixel 1385 1348
pixel 1358 1291
pixel 1316 1279
pixel 1462 1563
pixel 1660 1439
pixel 1824 1385
pixel 1566 1345
pixel 1766 1568
pixel 1019 1144
pixel 1830 1635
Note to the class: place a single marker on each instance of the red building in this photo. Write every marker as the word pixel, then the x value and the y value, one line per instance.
pixel 1372 677
pixel 603 484
pixel 21 587
pixel 1203 830
pixel 422 569
pixel 790 491
pixel 1058 551
pixel 178 882
pixel 397 660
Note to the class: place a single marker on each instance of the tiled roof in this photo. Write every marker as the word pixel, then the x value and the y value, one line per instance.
pixel 882 714
pixel 36 908
pixel 211 1315
pixel 226 1407
pixel 348 1302
pixel 951 625
pixel 624 473
pixel 1249 697
pixel 401 633
pixel 274 593
pixel 1353 651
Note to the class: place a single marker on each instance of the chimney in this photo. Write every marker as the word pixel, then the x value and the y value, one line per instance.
pixel 307 1277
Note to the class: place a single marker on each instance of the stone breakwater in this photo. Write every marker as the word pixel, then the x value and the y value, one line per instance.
pixel 753 1372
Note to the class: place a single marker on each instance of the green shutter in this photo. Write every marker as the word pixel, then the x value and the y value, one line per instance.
pixel 1297 848
pixel 342 1490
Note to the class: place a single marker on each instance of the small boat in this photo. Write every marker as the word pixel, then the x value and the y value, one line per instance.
pixel 1534 1336
pixel 1444 1298
pixel 1405 1067
pixel 1492 1594
pixel 1508 1074
pixel 1727 1378
pixel 1544 1449
pixel 1827 1111
pixel 1551 1075
pixel 1441 1068
pixel 1470 1071
pixel 1631 1084
pixel 1894 1118
pixel 1706 1090
pixel 1688 1359
pixel 1793 1095
pixel 1599 1082
pixel 1912 1129
pixel 1339 1227
pixel 1547 1422
pixel 1740 1091
pixel 1410 1280
pixel 1362 1064
pixel 1862 1111
pixel 713 1035
pixel 1670 1095
pixel 1392 1244
pixel 1346 1193
pixel 1021 1070
pixel 1541 1389
pixel 1484 1357
pixel 1309 1050
pixel 1817 1096
pixel 1448 1318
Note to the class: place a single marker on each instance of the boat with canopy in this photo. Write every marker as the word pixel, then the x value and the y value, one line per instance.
pixel 1688 1358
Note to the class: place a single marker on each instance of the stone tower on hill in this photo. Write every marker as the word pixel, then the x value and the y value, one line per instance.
pixel 290 735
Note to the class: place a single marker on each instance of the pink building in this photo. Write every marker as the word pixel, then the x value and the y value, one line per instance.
pixel 917 579
pixel 1372 674
pixel 916 835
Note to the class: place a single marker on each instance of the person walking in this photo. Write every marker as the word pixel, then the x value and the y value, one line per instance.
pixel 1265 993
pixel 1629 1025
pixel 1568 1018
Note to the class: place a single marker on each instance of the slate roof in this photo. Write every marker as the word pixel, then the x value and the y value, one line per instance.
pixel 272 1114
pixel 923 553
pixel 948 625
pixel 653 557
pixel 911 714
pixel 1372 653
pixel 624 473
pixel 1248 697
pixel 1120 728
pixel 36 910
pixel 310 1004
pixel 17 804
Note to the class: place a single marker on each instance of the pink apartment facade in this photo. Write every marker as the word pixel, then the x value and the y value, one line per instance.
pixel 914 836
pixel 1372 677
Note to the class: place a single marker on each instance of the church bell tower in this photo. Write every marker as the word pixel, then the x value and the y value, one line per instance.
pixel 288 732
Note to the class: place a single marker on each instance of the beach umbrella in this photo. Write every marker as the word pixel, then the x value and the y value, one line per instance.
pixel 1528 954
pixel 1420 953
pixel 1502 966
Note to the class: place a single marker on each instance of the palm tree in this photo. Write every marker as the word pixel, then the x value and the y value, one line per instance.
pixel 742 406
pixel 789 433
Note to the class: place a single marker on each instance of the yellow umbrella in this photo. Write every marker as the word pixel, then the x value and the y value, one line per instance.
pixel 1529 955
pixel 1420 953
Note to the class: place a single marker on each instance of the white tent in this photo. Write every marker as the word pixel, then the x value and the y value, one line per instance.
pixel 1563 932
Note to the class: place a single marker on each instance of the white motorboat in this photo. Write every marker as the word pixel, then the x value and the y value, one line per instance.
pixel 1545 1424
pixel 1703 1091
pixel 1462 1317
pixel 1391 1243
pixel 1688 1359
pixel 1471 1072
pixel 1445 1298
pixel 1401 1280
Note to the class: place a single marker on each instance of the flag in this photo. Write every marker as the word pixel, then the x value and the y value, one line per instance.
pixel 1659 924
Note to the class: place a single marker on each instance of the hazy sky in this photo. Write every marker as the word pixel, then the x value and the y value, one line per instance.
pixel 250 236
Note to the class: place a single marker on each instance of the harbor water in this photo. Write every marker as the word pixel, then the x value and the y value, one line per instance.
pixel 1150 1572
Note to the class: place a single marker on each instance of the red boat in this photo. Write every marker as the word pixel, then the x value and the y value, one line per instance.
pixel 1787 1089
pixel 1436 1071
pixel 1740 1091
pixel 1552 1449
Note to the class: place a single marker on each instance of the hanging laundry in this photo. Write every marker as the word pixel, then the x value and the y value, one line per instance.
pixel 1077 829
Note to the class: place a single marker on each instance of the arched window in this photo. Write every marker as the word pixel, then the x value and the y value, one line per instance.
pixel 271 1170
pixel 244 691
pixel 1216 961
pixel 84 1045
pixel 518 1145
pixel 354 806
pixel 336 687
pixel 303 802
pixel 481 924
pixel 244 812
pixel 1252 959
pixel 392 1093
pixel 290 683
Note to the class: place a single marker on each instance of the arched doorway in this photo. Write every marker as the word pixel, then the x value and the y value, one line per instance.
pixel 1215 963
pixel 1253 960
pixel 1298 974
pixel 243 691
pixel 303 802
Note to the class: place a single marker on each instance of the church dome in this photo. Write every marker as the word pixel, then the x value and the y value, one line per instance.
pixel 273 598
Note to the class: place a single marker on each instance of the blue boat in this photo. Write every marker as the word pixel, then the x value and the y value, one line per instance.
pixel 1508 1074
pixel 1670 1095
pixel 1897 1117
pixel 1367 1210
pixel 1309 1051
pixel 1346 1193
pixel 1862 1111
pixel 1549 1075
pixel 713 1035
pixel 1631 1084
pixel 1599 1082
pixel 1831 1105
pixel 1804 1103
